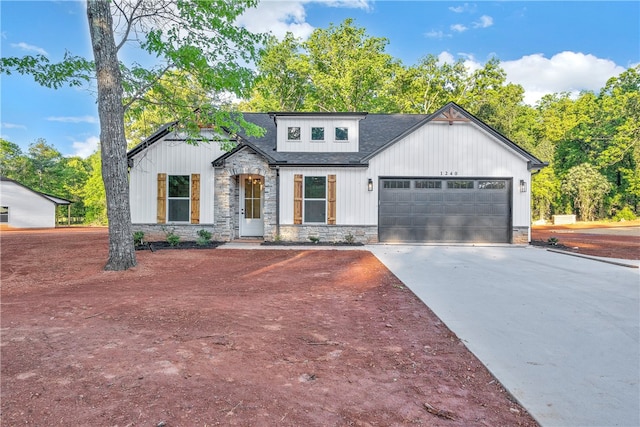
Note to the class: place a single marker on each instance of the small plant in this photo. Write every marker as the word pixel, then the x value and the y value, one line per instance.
pixel 625 214
pixel 553 241
pixel 173 238
pixel 349 238
pixel 314 239
pixel 277 238
pixel 138 237
pixel 204 237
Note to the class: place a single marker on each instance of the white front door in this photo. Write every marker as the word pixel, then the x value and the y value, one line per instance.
pixel 251 218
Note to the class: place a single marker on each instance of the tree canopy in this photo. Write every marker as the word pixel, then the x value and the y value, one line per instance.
pixel 200 38
pixel 590 141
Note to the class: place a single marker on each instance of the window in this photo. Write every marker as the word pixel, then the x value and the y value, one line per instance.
pixel 459 184
pixel 315 199
pixel 293 133
pixel 317 134
pixel 397 184
pixel 179 198
pixel 252 198
pixel 492 185
pixel 4 214
pixel 428 183
pixel 342 134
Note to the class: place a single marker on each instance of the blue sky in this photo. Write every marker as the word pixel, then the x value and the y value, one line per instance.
pixel 546 46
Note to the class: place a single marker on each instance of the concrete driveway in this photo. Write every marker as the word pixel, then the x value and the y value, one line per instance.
pixel 561 333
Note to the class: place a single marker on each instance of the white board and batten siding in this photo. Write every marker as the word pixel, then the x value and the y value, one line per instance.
pixel 27 209
pixel 172 157
pixel 434 150
pixel 329 145
pixel 351 194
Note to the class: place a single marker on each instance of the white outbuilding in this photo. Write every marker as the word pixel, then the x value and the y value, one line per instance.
pixel 22 207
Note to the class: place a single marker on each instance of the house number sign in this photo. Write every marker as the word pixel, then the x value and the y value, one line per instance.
pixel 447 173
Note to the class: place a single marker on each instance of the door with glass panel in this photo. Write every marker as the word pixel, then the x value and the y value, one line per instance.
pixel 251 217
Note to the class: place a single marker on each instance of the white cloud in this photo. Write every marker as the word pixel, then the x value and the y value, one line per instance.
pixel 464 8
pixel 484 22
pixel 13 126
pixel 87 147
pixel 72 119
pixel 30 48
pixel 563 72
pixel 446 58
pixel 469 61
pixel 350 4
pixel 433 34
pixel 459 28
pixel 279 17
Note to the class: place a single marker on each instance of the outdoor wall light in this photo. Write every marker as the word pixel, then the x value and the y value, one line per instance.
pixel 523 186
pixel 370 185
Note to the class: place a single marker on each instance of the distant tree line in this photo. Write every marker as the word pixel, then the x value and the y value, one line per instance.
pixel 592 141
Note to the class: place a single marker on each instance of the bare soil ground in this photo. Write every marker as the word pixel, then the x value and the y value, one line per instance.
pixel 579 238
pixel 227 337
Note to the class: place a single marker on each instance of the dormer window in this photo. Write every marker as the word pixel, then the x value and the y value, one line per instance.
pixel 342 134
pixel 293 133
pixel 317 134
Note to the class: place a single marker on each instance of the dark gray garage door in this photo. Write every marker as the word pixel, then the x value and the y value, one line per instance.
pixel 445 210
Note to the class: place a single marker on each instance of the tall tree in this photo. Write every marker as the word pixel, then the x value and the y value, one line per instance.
pixel 200 37
pixel 430 84
pixel 12 160
pixel 113 142
pixel 283 82
pixel 588 188
pixel 350 70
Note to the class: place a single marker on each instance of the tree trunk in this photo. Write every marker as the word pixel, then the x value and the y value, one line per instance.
pixel 113 145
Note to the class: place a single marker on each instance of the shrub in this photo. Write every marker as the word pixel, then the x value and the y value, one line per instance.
pixel 349 238
pixel 204 237
pixel 173 238
pixel 138 236
pixel 314 239
pixel 625 214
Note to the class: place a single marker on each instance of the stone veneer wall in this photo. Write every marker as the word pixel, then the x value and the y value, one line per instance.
pixel 327 233
pixel 520 235
pixel 187 232
pixel 227 191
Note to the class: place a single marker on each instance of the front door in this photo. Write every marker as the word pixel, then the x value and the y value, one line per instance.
pixel 251 218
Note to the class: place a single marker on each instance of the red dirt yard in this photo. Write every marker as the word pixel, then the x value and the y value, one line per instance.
pixel 584 238
pixel 227 337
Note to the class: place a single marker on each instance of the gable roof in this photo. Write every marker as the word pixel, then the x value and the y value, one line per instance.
pixel 451 113
pixel 375 130
pixel 377 133
pixel 49 197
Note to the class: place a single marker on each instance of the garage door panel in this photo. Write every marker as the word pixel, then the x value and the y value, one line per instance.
pixel 428 209
pixel 395 221
pixel 457 210
pixel 395 196
pixel 395 209
pixel 427 196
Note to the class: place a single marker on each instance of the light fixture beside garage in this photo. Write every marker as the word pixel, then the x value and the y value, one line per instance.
pixel 523 186
pixel 370 185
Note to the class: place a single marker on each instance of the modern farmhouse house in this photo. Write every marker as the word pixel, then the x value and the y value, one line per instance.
pixel 443 177
pixel 22 207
